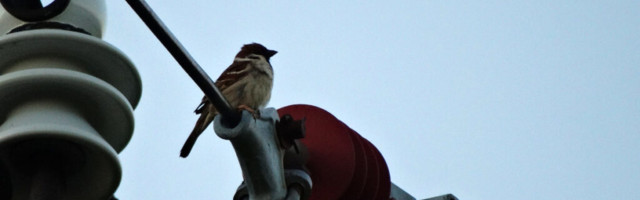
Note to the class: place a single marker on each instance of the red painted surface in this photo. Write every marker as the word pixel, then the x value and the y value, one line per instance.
pixel 342 164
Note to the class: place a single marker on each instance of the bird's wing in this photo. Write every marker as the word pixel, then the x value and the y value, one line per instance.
pixel 228 77
pixel 202 106
pixel 233 74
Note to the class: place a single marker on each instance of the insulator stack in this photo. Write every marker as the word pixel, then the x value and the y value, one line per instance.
pixel 342 164
pixel 66 101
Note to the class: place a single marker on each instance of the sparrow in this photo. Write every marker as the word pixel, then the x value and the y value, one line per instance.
pixel 246 84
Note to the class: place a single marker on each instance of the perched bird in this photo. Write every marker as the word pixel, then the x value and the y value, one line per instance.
pixel 246 84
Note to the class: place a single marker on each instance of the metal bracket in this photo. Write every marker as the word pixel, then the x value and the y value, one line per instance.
pixel 259 153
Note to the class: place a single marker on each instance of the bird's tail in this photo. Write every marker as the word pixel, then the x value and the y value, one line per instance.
pixel 202 123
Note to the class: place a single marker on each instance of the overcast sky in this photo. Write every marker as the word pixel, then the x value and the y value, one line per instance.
pixel 486 100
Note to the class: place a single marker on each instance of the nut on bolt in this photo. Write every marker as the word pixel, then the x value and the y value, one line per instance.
pixel 289 130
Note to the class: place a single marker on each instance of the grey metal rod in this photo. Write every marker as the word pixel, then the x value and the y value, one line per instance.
pixel 230 116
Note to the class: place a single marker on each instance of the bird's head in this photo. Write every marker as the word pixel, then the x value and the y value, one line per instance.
pixel 255 49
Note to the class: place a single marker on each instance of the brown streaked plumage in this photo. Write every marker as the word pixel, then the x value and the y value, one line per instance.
pixel 246 84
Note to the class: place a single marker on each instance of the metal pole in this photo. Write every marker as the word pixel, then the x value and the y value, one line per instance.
pixel 231 116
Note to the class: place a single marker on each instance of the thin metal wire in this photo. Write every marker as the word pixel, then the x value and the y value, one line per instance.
pixel 230 117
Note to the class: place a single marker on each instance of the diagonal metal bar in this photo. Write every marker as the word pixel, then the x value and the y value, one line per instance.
pixel 229 115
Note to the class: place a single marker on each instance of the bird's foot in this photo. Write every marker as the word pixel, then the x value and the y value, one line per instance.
pixel 255 113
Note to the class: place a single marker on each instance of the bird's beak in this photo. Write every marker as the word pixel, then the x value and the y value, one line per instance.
pixel 271 53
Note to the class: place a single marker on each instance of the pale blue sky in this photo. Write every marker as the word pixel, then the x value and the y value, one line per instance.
pixel 483 99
